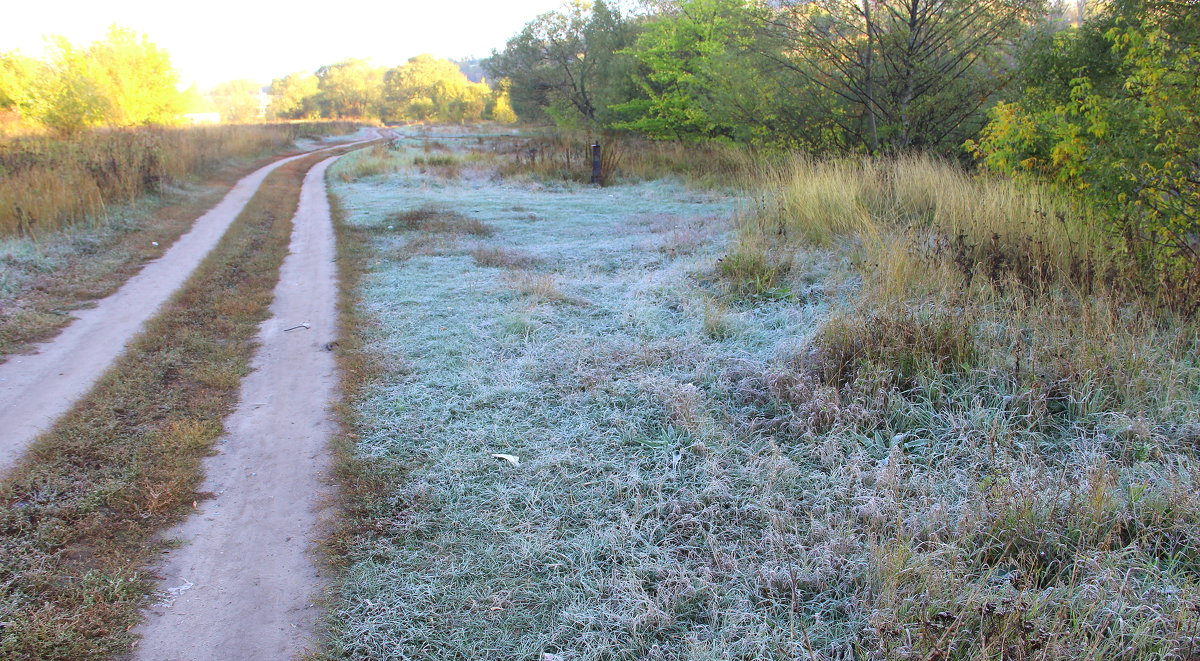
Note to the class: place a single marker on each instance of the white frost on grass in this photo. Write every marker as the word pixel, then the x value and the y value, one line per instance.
pixel 595 546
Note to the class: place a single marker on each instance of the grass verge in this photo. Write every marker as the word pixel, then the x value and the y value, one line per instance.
pixel 363 486
pixel 79 515
pixel 1002 431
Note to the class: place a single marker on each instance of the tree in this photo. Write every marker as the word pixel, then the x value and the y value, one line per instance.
pixel 501 109
pixel 1113 124
pixel 350 89
pixel 238 100
pixel 136 79
pixel 120 80
pixel 429 88
pixel 18 80
pixel 569 64
pixel 294 96
pixel 914 73
pixel 69 98
pixel 698 77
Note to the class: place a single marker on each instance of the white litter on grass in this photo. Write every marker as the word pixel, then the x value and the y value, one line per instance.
pixel 510 458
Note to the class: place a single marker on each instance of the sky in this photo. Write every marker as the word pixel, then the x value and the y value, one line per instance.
pixel 211 41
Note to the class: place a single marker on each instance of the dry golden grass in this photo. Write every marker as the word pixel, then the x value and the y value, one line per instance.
pixel 540 287
pixel 92 263
pixel 374 161
pixel 914 216
pixel 440 220
pixel 502 257
pixel 48 182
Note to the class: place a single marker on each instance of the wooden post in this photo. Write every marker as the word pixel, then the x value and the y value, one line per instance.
pixel 596 174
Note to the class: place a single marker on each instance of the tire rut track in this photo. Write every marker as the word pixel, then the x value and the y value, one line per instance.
pixel 243 583
pixel 36 390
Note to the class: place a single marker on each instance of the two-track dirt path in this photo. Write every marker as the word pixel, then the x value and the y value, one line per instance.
pixel 242 584
pixel 37 389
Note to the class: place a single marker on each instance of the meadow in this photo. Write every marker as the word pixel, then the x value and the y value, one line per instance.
pixel 820 409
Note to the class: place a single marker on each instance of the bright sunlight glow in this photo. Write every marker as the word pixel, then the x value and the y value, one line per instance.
pixel 217 40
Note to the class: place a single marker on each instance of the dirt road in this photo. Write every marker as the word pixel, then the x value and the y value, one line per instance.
pixel 37 389
pixel 242 584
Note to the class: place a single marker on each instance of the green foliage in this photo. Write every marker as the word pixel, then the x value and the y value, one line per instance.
pixel 18 75
pixel 135 78
pixel 294 97
pixel 692 77
pixel 68 99
pixel 1122 137
pixel 428 88
pixel 425 88
pixel 120 80
pixel 350 88
pixel 569 65
pixel 502 110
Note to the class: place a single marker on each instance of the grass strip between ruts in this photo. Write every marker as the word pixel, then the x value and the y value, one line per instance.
pixel 79 516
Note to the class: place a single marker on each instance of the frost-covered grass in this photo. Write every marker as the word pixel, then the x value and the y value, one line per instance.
pixel 726 451
pixel 630 523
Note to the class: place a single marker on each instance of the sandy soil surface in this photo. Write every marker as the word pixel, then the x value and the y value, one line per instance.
pixel 35 390
pixel 242 584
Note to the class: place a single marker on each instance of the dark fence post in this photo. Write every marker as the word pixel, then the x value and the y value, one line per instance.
pixel 596 174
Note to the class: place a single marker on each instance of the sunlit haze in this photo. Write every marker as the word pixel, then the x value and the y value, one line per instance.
pixel 220 40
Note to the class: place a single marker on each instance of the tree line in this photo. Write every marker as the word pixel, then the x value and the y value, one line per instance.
pixel 123 80
pixel 425 88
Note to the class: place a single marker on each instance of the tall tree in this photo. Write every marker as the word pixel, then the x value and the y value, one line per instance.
pixel 121 80
pixel 427 88
pixel 68 98
pixel 295 96
pixel 350 88
pixel 698 76
pixel 568 63
pixel 18 80
pixel 135 77
pixel 915 73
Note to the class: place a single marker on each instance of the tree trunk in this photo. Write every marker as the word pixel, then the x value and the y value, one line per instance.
pixel 868 65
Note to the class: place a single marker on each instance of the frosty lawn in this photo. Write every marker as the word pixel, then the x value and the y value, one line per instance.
pixel 631 524
pixel 707 470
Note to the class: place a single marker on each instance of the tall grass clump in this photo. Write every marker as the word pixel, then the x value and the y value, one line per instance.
pixel 369 162
pixel 1003 426
pixel 50 182
pixel 985 229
